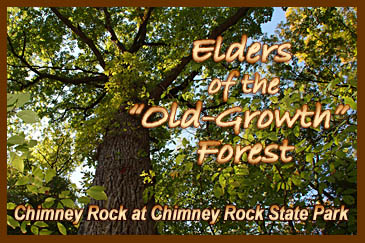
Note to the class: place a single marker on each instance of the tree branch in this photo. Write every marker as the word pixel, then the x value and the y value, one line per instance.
pixel 30 84
pixel 141 34
pixel 85 109
pixel 66 80
pixel 184 84
pixel 229 22
pixel 56 68
pixel 159 89
pixel 77 30
pixel 109 27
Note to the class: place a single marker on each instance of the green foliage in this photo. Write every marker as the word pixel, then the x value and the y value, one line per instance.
pixel 97 192
pixel 61 228
pixel 31 182
pixel 81 97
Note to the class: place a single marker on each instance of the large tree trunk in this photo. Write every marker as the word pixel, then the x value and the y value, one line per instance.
pixel 122 156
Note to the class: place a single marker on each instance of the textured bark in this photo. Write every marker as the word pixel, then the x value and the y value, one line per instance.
pixel 122 157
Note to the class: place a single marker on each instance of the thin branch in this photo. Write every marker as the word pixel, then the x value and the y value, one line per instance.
pixel 44 157
pixel 97 101
pixel 77 30
pixel 109 27
pixel 211 229
pixel 84 109
pixel 58 150
pixel 63 167
pixel 324 192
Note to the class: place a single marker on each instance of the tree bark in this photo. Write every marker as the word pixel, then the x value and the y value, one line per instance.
pixel 123 155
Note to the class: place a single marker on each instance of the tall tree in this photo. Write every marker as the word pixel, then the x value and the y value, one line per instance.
pixel 87 65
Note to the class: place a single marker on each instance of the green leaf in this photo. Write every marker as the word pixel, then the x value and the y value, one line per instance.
pixel 12 222
pixel 215 175
pixel 34 229
pixel 50 173
pixel 97 192
pixel 274 99
pixel 16 139
pixel 23 148
pixel 84 200
pixel 309 157
pixel 22 99
pixel 32 188
pixel 300 146
pixel 32 143
pixel 179 158
pixel 48 202
pixel 23 227
pixel 288 165
pixel 272 137
pixel 40 224
pixel 44 189
pixel 296 180
pixel 349 101
pixel 241 195
pixel 279 186
pixel 341 154
pixel 297 131
pixel 45 232
pixel 188 166
pixel 10 206
pixel 68 203
pixel 61 228
pixel 11 99
pixel 235 184
pixel 241 170
pixel 332 167
pixel 18 163
pixel 38 182
pixel 28 116
pixel 64 194
pixel 222 181
pixel 37 172
pixel 218 191
pixel 59 205
pixel 185 142
pixel 49 199
pixel 231 100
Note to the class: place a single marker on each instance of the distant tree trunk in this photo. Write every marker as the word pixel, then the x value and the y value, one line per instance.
pixel 122 156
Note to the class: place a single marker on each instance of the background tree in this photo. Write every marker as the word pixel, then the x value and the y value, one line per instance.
pixel 37 173
pixel 85 67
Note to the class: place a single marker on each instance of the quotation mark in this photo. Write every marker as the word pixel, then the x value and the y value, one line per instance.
pixel 136 109
pixel 342 109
